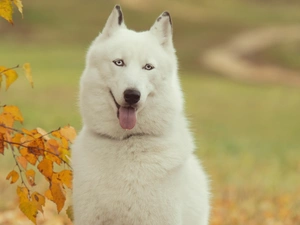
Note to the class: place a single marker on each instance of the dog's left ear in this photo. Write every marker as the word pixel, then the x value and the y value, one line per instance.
pixel 114 22
pixel 162 29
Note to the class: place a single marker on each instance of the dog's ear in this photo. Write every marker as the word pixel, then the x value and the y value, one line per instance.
pixel 114 22
pixel 162 29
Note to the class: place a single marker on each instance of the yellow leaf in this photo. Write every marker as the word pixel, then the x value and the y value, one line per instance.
pixel 22 161
pixel 0 79
pixel 6 120
pixel 29 132
pixel 13 175
pixel 58 195
pixel 66 178
pixel 30 175
pixel 64 143
pixel 28 156
pixel 46 168
pixel 23 193
pixel 17 139
pixel 10 74
pixel 30 210
pixel 14 111
pixel 39 200
pixel 19 5
pixel 28 74
pixel 48 195
pixel 56 134
pixel 64 154
pixel 68 132
pixel 6 10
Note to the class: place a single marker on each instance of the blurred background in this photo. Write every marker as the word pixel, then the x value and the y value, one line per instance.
pixel 240 71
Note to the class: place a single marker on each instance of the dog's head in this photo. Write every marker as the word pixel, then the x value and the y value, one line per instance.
pixel 130 82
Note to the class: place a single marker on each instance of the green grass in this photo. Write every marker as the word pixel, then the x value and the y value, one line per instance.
pixel 242 127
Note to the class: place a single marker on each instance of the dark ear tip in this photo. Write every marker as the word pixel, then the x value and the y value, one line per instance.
pixel 118 7
pixel 166 14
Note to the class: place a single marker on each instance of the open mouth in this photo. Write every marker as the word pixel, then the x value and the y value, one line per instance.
pixel 126 115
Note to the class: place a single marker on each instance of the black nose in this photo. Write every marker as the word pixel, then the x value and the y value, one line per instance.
pixel 132 96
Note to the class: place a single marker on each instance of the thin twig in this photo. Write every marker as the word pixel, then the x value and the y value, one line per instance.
pixel 17 66
pixel 44 150
pixel 20 170
pixel 30 135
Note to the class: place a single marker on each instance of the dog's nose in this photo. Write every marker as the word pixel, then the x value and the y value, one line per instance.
pixel 132 96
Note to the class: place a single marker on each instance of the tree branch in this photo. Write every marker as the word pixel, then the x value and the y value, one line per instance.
pixel 44 150
pixel 19 168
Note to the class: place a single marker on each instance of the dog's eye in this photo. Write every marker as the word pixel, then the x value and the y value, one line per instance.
pixel 119 62
pixel 148 67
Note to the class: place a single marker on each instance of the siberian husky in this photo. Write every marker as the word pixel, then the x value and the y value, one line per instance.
pixel 133 159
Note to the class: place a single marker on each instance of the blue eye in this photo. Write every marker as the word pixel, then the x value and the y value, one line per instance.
pixel 148 67
pixel 119 62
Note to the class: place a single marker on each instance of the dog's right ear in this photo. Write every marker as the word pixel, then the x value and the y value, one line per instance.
pixel 114 22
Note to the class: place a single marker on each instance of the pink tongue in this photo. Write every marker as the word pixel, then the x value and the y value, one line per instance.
pixel 127 117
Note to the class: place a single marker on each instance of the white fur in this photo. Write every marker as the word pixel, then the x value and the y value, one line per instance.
pixel 147 175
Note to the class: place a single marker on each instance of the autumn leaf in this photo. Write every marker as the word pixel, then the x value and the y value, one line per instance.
pixel 10 74
pixel 36 147
pixel 52 152
pixel 14 111
pixel 48 195
pixel 7 120
pixel 27 206
pixel 13 175
pixel 29 132
pixel 28 74
pixel 19 5
pixel 64 154
pixel 56 134
pixel 39 200
pixel 23 193
pixel 66 177
pixel 6 11
pixel 68 132
pixel 31 158
pixel 30 210
pixel 58 195
pixel 64 141
pixel 22 161
pixel 17 139
pixel 46 168
pixel 52 146
pixel 30 175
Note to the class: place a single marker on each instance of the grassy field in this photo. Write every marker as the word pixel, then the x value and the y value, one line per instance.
pixel 247 135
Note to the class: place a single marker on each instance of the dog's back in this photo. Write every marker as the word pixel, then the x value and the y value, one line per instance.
pixel 133 160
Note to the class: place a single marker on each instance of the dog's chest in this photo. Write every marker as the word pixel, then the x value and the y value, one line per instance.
pixel 125 178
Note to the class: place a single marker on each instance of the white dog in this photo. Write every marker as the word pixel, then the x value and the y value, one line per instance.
pixel 133 159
